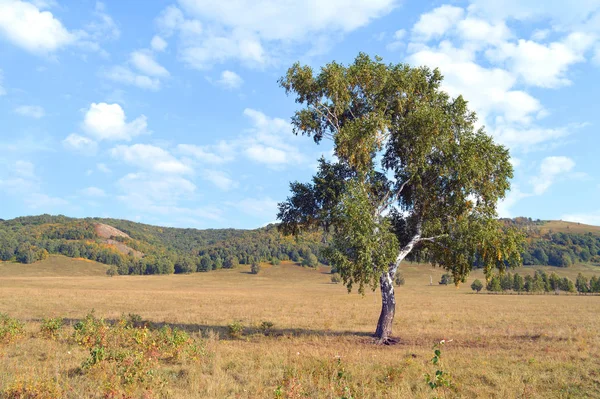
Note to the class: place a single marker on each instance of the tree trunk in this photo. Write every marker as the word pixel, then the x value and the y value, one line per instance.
pixel 388 309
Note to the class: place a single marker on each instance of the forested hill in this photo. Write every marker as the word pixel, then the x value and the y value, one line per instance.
pixel 136 248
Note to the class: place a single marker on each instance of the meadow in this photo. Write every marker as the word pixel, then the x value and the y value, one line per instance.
pixel 288 332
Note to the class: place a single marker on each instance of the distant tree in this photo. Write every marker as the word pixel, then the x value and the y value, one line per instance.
pixel 231 262
pixel 567 285
pixel 494 284
pixel 295 256
pixel 335 278
pixel 254 268
pixel 476 285
pixel 218 264
pixel 581 284
pixel 446 279
pixel 111 271
pixel 205 264
pixel 518 283
pixel 310 260
pixel 506 282
pixel 275 261
pixel 185 265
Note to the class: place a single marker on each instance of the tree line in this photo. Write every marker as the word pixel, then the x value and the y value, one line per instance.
pixel 540 282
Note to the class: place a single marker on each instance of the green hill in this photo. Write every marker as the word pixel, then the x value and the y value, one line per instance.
pixel 136 248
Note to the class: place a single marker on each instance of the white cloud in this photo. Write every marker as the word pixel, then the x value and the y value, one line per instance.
pixel 36 31
pixel 543 65
pixel 512 198
pixel 144 61
pixel 104 27
pixel 31 111
pixel 437 22
pixel 93 192
pixel 20 180
pixel 220 179
pixel 551 168
pixel 81 144
pixel 158 43
pixel 213 31
pixel 151 158
pixel 230 80
pixel 125 75
pixel 107 122
pixel 219 153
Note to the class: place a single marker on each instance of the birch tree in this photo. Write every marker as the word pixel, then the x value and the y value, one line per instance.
pixel 412 172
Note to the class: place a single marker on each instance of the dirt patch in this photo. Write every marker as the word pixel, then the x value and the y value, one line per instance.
pixel 106 231
pixel 122 248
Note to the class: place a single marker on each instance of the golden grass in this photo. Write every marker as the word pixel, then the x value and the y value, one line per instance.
pixel 504 346
pixel 559 226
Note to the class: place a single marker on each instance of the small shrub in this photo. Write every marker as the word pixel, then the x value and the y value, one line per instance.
pixel 275 261
pixel 336 278
pixel 51 327
pixel 446 279
pixel 399 279
pixel 235 329
pixel 10 328
pixel 31 389
pixel 112 271
pixel 494 284
pixel 477 286
pixel 266 327
pixel 440 380
pixel 255 268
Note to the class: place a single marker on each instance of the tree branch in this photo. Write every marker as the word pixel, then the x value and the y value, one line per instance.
pixel 406 250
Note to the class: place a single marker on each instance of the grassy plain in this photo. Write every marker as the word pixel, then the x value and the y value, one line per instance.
pixel 503 346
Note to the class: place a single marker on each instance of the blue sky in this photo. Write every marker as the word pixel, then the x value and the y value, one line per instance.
pixel 170 113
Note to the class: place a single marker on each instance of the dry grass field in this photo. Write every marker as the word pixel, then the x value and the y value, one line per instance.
pixel 503 346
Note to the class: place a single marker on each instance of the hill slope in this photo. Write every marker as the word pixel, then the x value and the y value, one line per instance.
pixel 136 248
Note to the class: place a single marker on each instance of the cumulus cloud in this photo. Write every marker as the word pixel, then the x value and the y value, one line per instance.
pixel 213 31
pixel 150 157
pixel 108 122
pixel 437 22
pixel 36 31
pixel 82 144
pixel 219 153
pixel 230 80
pixel 31 111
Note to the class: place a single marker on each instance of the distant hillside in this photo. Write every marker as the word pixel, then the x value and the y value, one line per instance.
pixel 136 248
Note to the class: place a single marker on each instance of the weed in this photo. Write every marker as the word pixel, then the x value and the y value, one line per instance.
pixel 440 381
pixel 266 327
pixel 33 389
pixel 11 329
pixel 235 329
pixel 51 327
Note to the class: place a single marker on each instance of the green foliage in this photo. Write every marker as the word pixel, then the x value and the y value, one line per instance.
pixel 275 261
pixel 235 329
pixel 266 327
pixel 310 260
pixel 477 285
pixel 494 285
pixel 336 278
pixel 130 356
pixel 440 381
pixel 112 271
pixel 254 268
pixel 11 329
pixel 51 327
pixel 581 284
pixel 33 389
pixel 446 279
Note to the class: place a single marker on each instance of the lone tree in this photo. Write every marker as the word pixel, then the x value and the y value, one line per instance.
pixel 411 173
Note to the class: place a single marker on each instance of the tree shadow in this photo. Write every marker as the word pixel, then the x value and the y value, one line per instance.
pixel 224 331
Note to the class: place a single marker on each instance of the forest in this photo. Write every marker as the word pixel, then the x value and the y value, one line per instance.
pixel 166 250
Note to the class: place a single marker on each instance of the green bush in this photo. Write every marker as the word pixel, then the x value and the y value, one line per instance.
pixel 112 271
pixel 477 286
pixel 255 268
pixel 266 327
pixel 11 329
pixel 446 279
pixel 51 327
pixel 336 278
pixel 235 329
